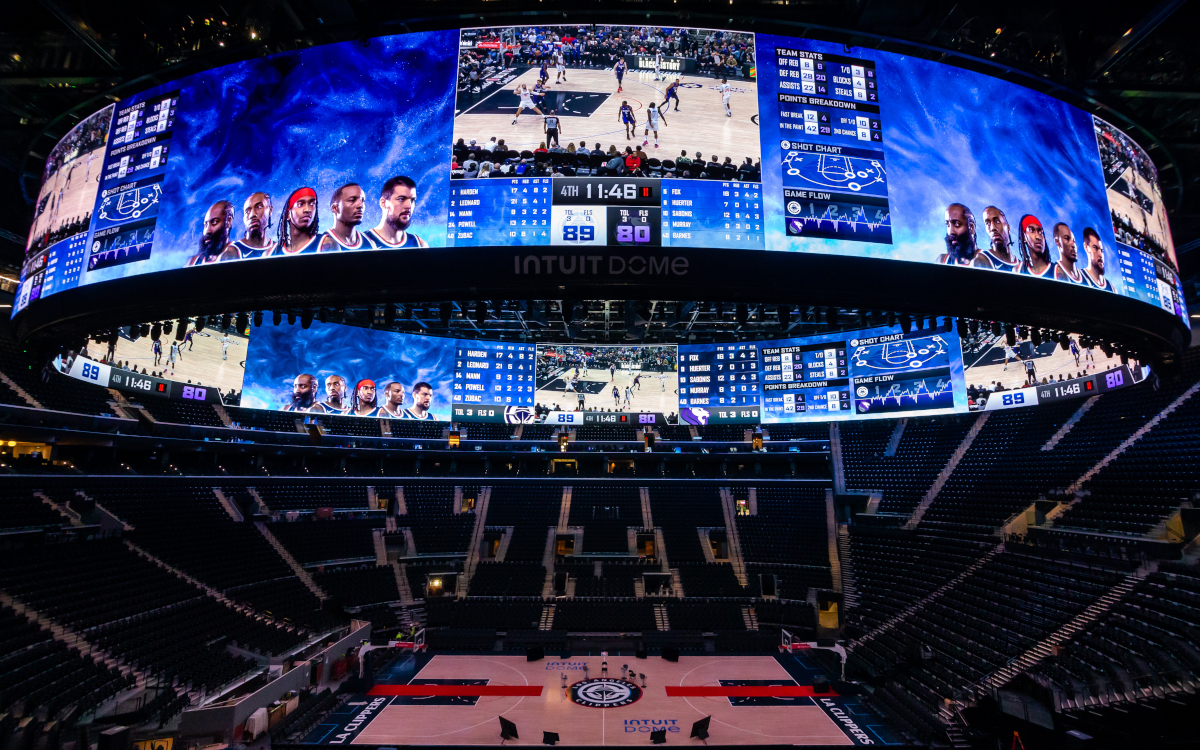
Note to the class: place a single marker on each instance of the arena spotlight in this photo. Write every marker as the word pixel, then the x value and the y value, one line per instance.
pixel 568 311
pixel 718 309
pixel 1022 332
pixel 1064 340
pixel 974 327
pixel 389 315
pixel 201 321
pixel 291 318
pixel 258 318
pixel 243 321
pixel 903 320
pixel 226 321
pixel 785 317
pixel 134 332
pixel 323 315
pixel 276 318
pixel 741 314
pixel 891 320
pixel 480 312
pixel 1035 336
pixel 306 317
pixel 964 327
pixel 145 329
pixel 167 327
pixel 1107 348
pixel 181 329
pixel 1010 336
pixel 445 310
pixel 995 328
pixel 831 317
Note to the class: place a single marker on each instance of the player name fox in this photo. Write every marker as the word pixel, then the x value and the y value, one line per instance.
pixel 599 265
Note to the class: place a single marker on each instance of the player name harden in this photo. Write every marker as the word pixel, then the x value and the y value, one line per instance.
pixel 599 265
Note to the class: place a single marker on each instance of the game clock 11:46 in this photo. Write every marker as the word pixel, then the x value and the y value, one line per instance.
pixel 606 211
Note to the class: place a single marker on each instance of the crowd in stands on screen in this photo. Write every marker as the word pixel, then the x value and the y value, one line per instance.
pixel 58 234
pixel 299 228
pixel 88 135
pixel 713 53
pixel 1034 252
pixel 495 159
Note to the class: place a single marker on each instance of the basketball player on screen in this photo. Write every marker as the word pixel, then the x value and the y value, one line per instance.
pixel 393 401
pixel 256 214
pixel 653 115
pixel 526 102
pixel 1000 253
pixel 304 393
pixel 960 239
pixel 422 394
pixel 626 118
pixel 300 228
pixel 1067 255
pixel 619 72
pixel 348 204
pixel 365 402
pixel 398 199
pixel 157 349
pixel 215 237
pixel 726 92
pixel 1093 275
pixel 672 93
pixel 335 397
pixel 1035 254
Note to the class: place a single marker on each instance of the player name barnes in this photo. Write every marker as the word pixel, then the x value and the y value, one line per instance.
pixel 599 265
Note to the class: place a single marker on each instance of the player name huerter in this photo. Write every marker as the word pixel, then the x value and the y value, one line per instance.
pixel 596 265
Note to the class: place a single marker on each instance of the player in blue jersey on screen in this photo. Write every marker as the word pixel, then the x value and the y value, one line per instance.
pixel 1000 234
pixel 256 214
pixel 304 393
pixel 672 93
pixel 365 400
pixel 335 397
pixel 398 199
pixel 1093 275
pixel 393 400
pixel 422 394
pixel 300 228
pixel 961 248
pixel 348 204
pixel 619 72
pixel 214 237
pixel 1035 253
pixel 1068 255
pixel 625 116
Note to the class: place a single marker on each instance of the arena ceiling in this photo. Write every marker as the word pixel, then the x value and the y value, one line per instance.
pixel 59 58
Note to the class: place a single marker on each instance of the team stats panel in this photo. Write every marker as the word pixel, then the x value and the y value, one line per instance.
pixel 606 211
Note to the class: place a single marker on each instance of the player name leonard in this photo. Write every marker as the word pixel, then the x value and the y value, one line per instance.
pixel 599 265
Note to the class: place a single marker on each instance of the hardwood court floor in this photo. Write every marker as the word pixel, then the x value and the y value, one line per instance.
pixel 649 398
pixel 202 365
pixel 794 720
pixel 1048 364
pixel 700 126
pixel 78 197
pixel 1153 224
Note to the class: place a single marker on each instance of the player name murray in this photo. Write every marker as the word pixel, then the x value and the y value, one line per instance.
pixel 599 265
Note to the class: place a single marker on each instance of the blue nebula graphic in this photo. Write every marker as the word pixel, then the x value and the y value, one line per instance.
pixel 277 354
pixel 955 136
pixel 320 117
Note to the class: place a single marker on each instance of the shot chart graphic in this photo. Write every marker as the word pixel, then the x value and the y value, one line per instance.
pixel 892 356
pixel 131 204
pixel 845 173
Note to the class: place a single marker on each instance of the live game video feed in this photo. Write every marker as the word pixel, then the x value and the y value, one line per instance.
pixel 877 372
pixel 606 135
pixel 339 370
pixel 606 380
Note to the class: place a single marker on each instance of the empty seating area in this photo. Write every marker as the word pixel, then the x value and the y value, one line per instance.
pixel 709 579
pixel 616 577
pixel 359 426
pixel 605 512
pixel 680 511
pixel 315 542
pixel 288 601
pixel 308 497
pixel 490 431
pixel 924 450
pixel 44 673
pixel 790 527
pixel 260 419
pixel 704 616
pixel 798 431
pixel 509 615
pixel 417 428
pixel 507 579
pixel 21 509
pixel 583 616
pixel 436 528
pixel 181 412
pixel 531 510
pixel 605 432
pixel 360 586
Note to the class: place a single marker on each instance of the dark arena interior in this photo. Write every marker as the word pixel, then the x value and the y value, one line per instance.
pixel 709 373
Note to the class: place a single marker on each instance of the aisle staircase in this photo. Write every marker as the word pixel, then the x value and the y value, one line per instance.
pixel 401 573
pixel 831 541
pixel 1070 423
pixel 850 596
pixel 894 441
pixel 731 535
pixel 24 394
pixel 944 475
pixel 660 617
pixel 229 507
pixel 296 567
pixel 547 621
pixel 476 548
pixel 931 596
pixel 835 454
pixel 750 618
pixel 380 547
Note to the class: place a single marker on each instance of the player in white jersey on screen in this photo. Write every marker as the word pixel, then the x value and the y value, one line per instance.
pixel 653 115
pixel 726 91
pixel 560 66
pixel 225 342
pixel 658 59
pixel 526 102
pixel 662 379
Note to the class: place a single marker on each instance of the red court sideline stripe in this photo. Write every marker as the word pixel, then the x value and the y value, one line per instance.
pixel 744 691
pixel 467 691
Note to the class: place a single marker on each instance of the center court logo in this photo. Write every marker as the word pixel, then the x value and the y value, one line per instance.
pixel 604 693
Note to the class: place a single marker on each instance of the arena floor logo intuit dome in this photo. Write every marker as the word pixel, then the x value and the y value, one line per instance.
pixel 604 692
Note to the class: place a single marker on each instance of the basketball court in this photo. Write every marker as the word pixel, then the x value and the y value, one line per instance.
pixel 1050 360
pixel 588 104
pixel 202 365
pixel 1132 208
pixel 459 699
pixel 69 195
pixel 655 390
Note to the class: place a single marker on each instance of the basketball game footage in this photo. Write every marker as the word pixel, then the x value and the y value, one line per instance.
pixel 601 136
